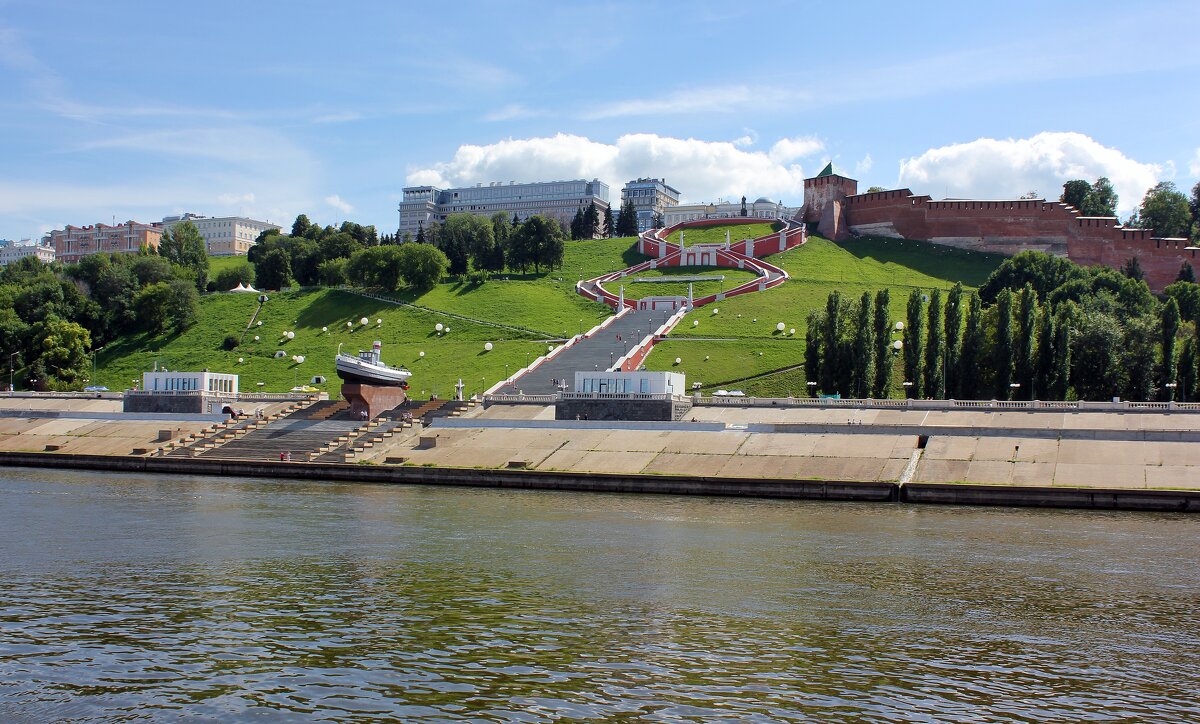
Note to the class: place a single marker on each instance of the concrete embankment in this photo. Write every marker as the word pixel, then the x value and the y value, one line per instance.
pixel 917 493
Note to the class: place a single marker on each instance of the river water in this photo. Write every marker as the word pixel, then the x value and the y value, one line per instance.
pixel 131 596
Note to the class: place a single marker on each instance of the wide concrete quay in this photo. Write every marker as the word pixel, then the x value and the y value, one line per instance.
pixel 1136 460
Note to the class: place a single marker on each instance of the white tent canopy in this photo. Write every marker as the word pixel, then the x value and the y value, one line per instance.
pixel 244 288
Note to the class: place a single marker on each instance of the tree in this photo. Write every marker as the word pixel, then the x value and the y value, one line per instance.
pixel 274 271
pixel 1194 203
pixel 577 224
pixel 1059 381
pixel 914 337
pixel 1166 211
pixel 183 245
pixel 1002 352
pixel 1186 273
pixel 1074 193
pixel 591 222
pixel 332 272
pixel 230 277
pixel 301 225
pixel 812 348
pixel 420 233
pixel 1132 268
pixel 954 316
pixel 1024 362
pixel 1187 369
pixel 1043 368
pixel 1031 194
pixel 627 223
pixel 969 379
pixel 658 221
pixel 380 266
pixel 1097 372
pixel 1170 328
pixel 1187 296
pixel 875 189
pixel 1101 199
pixel 465 237
pixel 863 362
pixel 831 343
pixel 151 304
pixel 882 387
pixel 59 352
pixel 183 304
pixel 422 266
pixel 935 350
pixel 1044 271
pixel 539 241
pixel 1140 346
pixel 609 225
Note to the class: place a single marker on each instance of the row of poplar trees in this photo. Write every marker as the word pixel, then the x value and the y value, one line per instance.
pixel 1019 347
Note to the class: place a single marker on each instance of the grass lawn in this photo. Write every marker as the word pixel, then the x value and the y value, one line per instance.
pixel 217 264
pixel 716 234
pixel 635 290
pixel 726 360
pixel 816 269
pixel 405 333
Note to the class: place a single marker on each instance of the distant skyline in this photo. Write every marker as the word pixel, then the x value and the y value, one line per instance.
pixel 140 110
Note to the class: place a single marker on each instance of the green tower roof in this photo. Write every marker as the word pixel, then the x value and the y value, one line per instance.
pixel 831 170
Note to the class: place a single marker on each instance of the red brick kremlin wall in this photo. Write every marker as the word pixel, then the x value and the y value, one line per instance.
pixel 1009 227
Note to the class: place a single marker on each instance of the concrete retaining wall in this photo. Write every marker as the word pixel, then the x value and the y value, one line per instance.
pixel 918 493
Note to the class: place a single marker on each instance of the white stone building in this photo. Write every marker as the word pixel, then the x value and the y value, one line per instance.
pixel 763 208
pixel 11 251
pixel 223 235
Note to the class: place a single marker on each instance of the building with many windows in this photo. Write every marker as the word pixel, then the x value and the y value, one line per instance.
pixel 423 205
pixel 650 196
pixel 74 242
pixel 223 235
pixel 11 251
pixel 763 208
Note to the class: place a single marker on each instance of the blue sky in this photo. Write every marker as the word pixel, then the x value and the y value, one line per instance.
pixel 138 109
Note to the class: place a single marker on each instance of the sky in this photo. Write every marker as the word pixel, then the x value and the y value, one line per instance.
pixel 136 110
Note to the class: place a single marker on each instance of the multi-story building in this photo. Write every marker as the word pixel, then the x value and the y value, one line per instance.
pixel 11 251
pixel 763 208
pixel 74 242
pixel 650 196
pixel 423 205
pixel 224 235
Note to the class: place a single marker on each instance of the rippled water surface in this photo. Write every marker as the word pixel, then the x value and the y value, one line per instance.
pixel 127 596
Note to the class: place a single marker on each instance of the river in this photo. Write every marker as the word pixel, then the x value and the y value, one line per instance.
pixel 213 598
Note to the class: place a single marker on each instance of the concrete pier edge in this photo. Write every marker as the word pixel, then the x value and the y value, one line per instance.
pixel 912 493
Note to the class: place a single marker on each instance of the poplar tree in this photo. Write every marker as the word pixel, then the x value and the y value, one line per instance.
pixel 577 225
pixel 1187 369
pixel 954 313
pixel 1170 328
pixel 1043 373
pixel 1026 331
pixel 591 222
pixel 969 379
pixel 1061 376
pixel 831 338
pixel 1002 353
pixel 882 387
pixel 812 349
pixel 935 382
pixel 914 337
pixel 863 369
pixel 609 224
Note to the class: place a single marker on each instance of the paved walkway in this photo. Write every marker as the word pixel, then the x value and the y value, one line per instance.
pixel 596 352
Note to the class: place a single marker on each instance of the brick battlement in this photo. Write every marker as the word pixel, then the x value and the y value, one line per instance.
pixel 1005 226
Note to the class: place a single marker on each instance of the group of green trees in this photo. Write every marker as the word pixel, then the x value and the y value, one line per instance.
pixel 1041 327
pixel 1164 208
pixel 52 316
pixel 477 246
pixel 280 258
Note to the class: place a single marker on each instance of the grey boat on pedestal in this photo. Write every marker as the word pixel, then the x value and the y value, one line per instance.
pixel 368 369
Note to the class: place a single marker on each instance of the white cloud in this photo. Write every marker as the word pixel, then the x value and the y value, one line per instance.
pixel 790 149
pixel 338 117
pixel 701 170
pixel 718 99
pixel 864 165
pixel 236 199
pixel 336 202
pixel 1004 169
pixel 510 112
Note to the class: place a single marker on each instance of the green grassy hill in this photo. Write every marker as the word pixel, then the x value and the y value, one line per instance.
pixel 545 305
pixel 720 350
pixel 816 269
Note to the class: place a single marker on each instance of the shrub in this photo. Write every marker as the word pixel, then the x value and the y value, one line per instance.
pixel 231 342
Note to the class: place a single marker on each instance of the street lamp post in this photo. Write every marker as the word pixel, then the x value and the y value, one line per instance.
pixel 10 371
pixel 812 388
